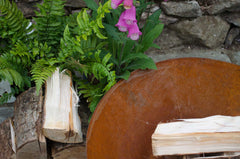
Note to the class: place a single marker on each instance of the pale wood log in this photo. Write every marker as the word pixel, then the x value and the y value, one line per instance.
pixel 68 151
pixel 235 155
pixel 61 120
pixel 7 144
pixel 193 136
pixel 30 143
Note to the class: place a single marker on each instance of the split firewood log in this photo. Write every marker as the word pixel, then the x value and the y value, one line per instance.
pixel 194 136
pixel 61 120
pixel 30 143
pixel 68 151
pixel 7 140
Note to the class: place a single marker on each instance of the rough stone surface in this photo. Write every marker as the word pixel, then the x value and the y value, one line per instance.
pixel 235 58
pixel 209 31
pixel 182 52
pixel 233 18
pixel 224 5
pixel 182 9
pixel 233 33
pixel 76 3
pixel 5 87
pixel 27 8
pixel 168 39
pixel 166 20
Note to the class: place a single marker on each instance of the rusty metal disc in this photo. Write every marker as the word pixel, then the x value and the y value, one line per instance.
pixel 126 117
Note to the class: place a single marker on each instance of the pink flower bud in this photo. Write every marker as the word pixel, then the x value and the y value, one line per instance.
pixel 128 4
pixel 122 26
pixel 115 3
pixel 130 15
pixel 134 32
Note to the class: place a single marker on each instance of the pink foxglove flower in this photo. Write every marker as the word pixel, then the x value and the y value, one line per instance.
pixel 122 26
pixel 115 3
pixel 128 4
pixel 134 32
pixel 130 15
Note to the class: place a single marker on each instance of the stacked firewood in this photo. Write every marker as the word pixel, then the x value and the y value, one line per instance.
pixel 44 126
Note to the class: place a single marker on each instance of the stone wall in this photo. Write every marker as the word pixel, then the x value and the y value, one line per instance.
pixel 198 29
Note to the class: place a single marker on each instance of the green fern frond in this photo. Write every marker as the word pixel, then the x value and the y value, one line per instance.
pixel 49 22
pixel 21 55
pixel 7 72
pixel 93 93
pixel 41 70
pixel 69 46
pixel 86 27
pixel 100 69
pixel 17 25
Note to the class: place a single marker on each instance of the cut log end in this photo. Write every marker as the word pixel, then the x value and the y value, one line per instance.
pixel 63 135
pixel 69 151
pixel 30 150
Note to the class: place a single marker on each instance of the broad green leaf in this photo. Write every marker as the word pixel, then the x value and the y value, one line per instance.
pixel 129 44
pixel 91 4
pixel 125 75
pixel 151 36
pixel 134 56
pixel 142 64
pixel 152 20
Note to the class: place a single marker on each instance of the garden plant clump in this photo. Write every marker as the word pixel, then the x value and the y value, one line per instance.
pixel 89 45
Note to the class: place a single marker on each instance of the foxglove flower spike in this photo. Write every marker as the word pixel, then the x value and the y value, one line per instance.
pixel 115 3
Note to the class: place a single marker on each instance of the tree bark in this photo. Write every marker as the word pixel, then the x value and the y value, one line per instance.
pixel 30 143
pixel 6 146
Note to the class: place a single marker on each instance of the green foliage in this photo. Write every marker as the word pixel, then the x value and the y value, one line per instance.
pixel 128 55
pixel 101 78
pixel 5 97
pixel 80 51
pixel 41 70
pixel 8 72
pixel 13 25
pixel 50 23
pixel 88 45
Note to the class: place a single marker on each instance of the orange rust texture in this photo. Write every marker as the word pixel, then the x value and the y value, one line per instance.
pixel 126 117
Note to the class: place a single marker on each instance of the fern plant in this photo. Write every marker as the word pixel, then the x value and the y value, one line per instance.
pixel 14 26
pixel 15 30
pixel 50 23
pixel 82 50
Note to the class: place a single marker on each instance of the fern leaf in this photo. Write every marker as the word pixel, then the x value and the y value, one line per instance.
pixel 41 70
pixel 16 23
pixel 49 24
pixel 7 72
